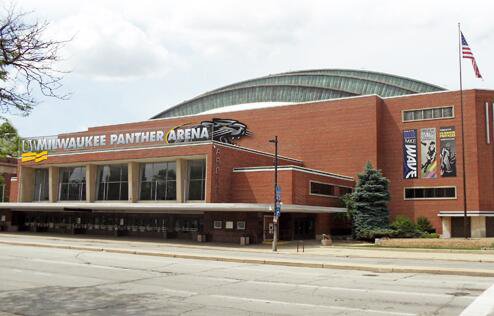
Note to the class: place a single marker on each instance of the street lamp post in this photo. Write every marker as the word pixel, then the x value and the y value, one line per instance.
pixel 276 194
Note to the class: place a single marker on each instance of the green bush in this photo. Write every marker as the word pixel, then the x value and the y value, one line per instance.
pixel 430 235
pixel 424 225
pixel 405 228
pixel 371 234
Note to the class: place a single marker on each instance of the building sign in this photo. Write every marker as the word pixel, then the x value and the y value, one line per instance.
pixel 410 154
pixel 428 153
pixel 447 137
pixel 222 130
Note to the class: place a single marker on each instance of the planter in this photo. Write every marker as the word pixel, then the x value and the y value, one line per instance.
pixel 244 240
pixel 326 240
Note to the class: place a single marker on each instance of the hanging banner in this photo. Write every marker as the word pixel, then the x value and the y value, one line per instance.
pixel 447 137
pixel 410 154
pixel 428 153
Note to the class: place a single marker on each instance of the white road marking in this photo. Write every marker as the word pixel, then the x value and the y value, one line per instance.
pixel 363 310
pixel 482 306
pixel 335 288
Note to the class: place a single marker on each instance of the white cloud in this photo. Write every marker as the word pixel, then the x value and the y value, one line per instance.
pixel 107 46
pixel 158 53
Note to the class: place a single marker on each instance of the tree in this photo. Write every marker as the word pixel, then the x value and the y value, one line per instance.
pixel 370 204
pixel 9 140
pixel 26 63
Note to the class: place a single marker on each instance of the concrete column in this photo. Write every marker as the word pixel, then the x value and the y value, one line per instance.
pixel 26 184
pixel 478 227
pixel 53 184
pixel 133 172
pixel 446 221
pixel 181 179
pixel 91 171
pixel 323 225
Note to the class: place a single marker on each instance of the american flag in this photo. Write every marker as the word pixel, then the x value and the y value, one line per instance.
pixel 467 53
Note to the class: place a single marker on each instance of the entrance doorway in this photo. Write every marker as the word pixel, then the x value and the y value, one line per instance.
pixel 457 226
pixel 304 227
pixel 268 228
pixel 489 225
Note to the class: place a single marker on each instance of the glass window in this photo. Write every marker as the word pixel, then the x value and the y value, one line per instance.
pixel 437 113
pixel 430 193
pixel 408 116
pixel 321 189
pixel 196 174
pixel 344 190
pixel 40 185
pixel 72 185
pixel 448 112
pixel 158 181
pixel 428 114
pixel 418 115
pixel 112 184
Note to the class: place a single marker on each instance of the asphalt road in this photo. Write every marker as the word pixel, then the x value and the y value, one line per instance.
pixel 48 281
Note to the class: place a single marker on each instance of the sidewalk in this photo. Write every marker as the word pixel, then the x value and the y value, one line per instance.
pixel 342 256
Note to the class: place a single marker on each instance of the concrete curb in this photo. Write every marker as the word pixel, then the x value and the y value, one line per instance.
pixel 349 266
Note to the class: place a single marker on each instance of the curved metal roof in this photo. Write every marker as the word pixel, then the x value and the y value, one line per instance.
pixel 301 86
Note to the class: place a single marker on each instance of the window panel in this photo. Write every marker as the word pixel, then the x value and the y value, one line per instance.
pixel 111 180
pixel 40 185
pixel 196 179
pixel 437 113
pixel 428 114
pixel 448 112
pixel 322 189
pixel 72 186
pixel 430 193
pixel 408 116
pixel 158 181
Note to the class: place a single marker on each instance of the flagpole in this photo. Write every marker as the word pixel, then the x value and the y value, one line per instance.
pixel 465 218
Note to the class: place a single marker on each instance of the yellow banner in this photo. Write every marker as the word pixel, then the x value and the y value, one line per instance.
pixel 34 156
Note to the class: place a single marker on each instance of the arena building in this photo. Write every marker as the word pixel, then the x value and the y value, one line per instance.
pixel 203 169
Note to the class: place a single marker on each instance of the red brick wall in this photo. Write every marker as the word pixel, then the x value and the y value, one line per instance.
pixel 479 155
pixel 258 187
pixel 321 134
pixel 225 159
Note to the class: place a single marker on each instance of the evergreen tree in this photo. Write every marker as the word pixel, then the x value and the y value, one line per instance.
pixel 370 201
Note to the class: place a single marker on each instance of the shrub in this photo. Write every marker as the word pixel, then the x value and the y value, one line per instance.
pixel 405 227
pixel 430 235
pixel 371 234
pixel 424 225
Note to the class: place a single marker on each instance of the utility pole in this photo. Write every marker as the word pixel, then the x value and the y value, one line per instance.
pixel 276 195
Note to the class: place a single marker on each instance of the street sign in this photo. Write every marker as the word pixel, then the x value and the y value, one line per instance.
pixel 278 189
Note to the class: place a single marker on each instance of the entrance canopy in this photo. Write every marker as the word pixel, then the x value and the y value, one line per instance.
pixel 469 213
pixel 188 208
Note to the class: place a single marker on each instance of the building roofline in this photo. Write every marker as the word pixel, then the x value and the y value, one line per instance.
pixel 294 168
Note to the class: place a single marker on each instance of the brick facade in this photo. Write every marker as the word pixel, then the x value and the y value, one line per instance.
pixel 334 136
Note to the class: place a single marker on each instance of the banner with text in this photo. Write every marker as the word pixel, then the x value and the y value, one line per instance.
pixel 410 154
pixel 447 137
pixel 428 153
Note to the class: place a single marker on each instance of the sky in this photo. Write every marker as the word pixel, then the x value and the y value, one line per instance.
pixel 129 60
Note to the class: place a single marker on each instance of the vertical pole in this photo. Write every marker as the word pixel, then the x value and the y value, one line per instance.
pixel 275 221
pixel 465 218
